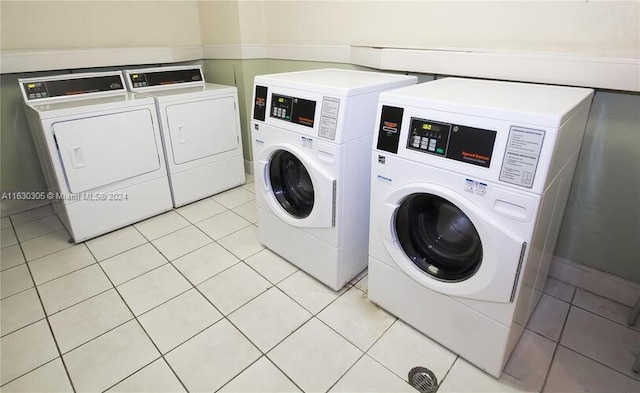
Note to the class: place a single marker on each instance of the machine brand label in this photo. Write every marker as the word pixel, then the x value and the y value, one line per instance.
pixel 260 105
pixel 389 127
pixel 521 156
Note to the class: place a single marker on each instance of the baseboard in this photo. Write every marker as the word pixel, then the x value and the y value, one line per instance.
pixel 596 281
pixel 248 167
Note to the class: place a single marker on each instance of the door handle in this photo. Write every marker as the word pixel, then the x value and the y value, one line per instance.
pixel 77 158
pixel 181 136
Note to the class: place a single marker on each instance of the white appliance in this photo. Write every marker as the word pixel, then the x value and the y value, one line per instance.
pixel 200 125
pixel 100 151
pixel 469 183
pixel 312 134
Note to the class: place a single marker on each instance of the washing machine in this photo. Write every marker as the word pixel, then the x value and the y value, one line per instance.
pixel 311 136
pixel 100 151
pixel 470 179
pixel 200 126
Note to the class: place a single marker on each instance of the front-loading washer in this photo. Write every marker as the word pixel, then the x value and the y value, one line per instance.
pixel 200 127
pixel 311 137
pixel 100 151
pixel 469 183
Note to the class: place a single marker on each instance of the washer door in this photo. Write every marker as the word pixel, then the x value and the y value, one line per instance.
pixel 446 243
pixel 438 237
pixel 296 188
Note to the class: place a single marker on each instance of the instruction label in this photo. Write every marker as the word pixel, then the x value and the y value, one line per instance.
pixel 329 117
pixel 521 156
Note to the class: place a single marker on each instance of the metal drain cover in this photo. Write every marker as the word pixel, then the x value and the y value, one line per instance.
pixel 423 379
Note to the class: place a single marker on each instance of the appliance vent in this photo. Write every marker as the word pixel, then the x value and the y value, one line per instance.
pixel 423 379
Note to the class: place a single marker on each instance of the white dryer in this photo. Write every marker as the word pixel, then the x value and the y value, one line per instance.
pixel 200 126
pixel 311 136
pixel 100 151
pixel 469 183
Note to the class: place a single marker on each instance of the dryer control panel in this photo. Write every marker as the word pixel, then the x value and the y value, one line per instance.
pixel 295 110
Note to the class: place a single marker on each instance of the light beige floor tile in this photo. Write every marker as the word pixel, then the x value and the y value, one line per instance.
pixel 368 376
pixel 530 361
pixel 8 237
pixel 251 187
pixel 204 263
pixel 20 310
pixel 164 224
pixel 45 245
pixel 222 225
pixel 249 178
pixel 548 317
pixel 114 243
pixel 26 349
pixel 11 256
pixel 248 211
pixel 201 210
pixel 110 358
pixel 179 319
pixel 212 358
pixel 271 266
pixel 5 222
pixel 402 347
pixel 233 287
pixel 261 377
pixel 243 243
pixel 153 288
pixel 15 280
pixel 574 373
pixel 31 215
pixel 604 307
pixel 156 377
pixel 363 284
pixel 307 291
pixel 234 197
pixel 358 277
pixel 357 319
pixel 314 356
pixel 60 263
pixel 607 342
pixel 466 378
pixel 37 228
pixel 133 263
pixel 181 242
pixel 87 320
pixel 48 378
pixel 559 289
pixel 73 288
pixel 269 318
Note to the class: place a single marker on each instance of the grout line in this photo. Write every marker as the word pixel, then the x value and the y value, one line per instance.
pixel 601 364
pixel 555 350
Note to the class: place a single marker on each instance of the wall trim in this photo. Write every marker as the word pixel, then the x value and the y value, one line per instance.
pixel 554 68
pixel 622 74
pixel 596 281
pixel 49 60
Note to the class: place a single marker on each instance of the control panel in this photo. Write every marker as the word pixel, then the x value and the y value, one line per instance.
pixel 38 89
pixel 292 109
pixel 454 141
pixel 166 77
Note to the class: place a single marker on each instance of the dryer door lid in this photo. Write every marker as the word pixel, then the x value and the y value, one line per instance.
pixel 100 150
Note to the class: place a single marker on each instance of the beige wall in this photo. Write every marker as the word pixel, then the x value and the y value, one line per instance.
pixel 29 25
pixel 600 27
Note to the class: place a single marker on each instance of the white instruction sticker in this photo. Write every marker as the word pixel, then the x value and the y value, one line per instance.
pixel 329 117
pixel 521 156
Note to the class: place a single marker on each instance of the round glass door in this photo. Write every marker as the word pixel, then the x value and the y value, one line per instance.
pixel 438 237
pixel 291 184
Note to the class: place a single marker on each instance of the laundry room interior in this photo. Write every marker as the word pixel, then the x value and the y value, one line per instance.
pixel 213 278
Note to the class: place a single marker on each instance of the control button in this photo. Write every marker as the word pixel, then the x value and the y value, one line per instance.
pixel 416 138
pixel 275 111
pixel 440 151
pixel 432 148
pixel 416 145
pixel 425 139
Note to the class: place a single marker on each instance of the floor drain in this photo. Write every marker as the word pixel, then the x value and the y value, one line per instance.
pixel 423 379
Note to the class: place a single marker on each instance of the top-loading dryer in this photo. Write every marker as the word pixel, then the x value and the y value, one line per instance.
pixel 311 136
pixel 469 183
pixel 100 151
pixel 200 126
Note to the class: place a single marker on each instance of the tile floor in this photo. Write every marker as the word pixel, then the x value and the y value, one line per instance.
pixel 190 301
